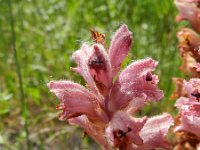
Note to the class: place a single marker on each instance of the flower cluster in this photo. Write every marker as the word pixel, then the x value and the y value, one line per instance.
pixel 106 107
pixel 189 115
pixel 187 126
pixel 189 40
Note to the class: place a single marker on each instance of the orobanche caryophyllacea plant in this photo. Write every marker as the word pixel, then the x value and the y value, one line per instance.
pixel 189 42
pixel 187 126
pixel 188 122
pixel 106 107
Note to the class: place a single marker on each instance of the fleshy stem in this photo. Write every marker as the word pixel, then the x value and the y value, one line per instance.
pixel 18 70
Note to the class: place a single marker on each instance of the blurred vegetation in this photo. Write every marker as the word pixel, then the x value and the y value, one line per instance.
pixel 47 33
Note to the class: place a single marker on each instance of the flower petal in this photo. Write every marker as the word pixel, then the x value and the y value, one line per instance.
pixel 135 104
pixel 189 41
pixel 75 100
pixel 188 11
pixel 95 132
pixel 100 68
pixel 81 57
pixel 154 132
pixel 189 124
pixel 123 130
pixel 120 45
pixel 135 81
pixel 94 65
pixel 182 103
pixel 188 106
pixel 193 88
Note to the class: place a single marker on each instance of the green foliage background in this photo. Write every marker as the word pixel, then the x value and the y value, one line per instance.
pixel 47 33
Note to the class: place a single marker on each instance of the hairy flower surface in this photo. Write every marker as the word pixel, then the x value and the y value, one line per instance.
pixel 189 10
pixel 187 125
pixel 189 109
pixel 189 41
pixel 104 109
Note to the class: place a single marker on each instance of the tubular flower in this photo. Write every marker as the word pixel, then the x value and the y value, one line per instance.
pixel 189 46
pixel 189 113
pixel 189 41
pixel 104 109
pixel 189 10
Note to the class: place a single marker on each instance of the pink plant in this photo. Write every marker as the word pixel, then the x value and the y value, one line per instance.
pixel 104 109
pixel 189 108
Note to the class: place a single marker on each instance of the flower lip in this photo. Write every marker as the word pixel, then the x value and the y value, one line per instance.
pixel 76 100
pixel 121 133
pixel 120 45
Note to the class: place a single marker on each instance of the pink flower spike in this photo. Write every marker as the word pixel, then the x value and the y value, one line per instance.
pixel 120 45
pixel 135 81
pixel 154 132
pixel 75 100
pixel 105 109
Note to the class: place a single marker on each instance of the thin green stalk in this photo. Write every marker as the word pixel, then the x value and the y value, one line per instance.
pixel 18 70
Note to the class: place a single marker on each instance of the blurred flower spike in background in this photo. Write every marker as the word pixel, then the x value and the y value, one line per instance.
pixel 106 107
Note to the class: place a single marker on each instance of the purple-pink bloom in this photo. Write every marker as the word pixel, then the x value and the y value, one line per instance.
pixel 154 132
pixel 104 109
pixel 189 108
pixel 189 10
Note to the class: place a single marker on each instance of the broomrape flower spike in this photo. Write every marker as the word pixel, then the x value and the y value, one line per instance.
pixel 106 107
